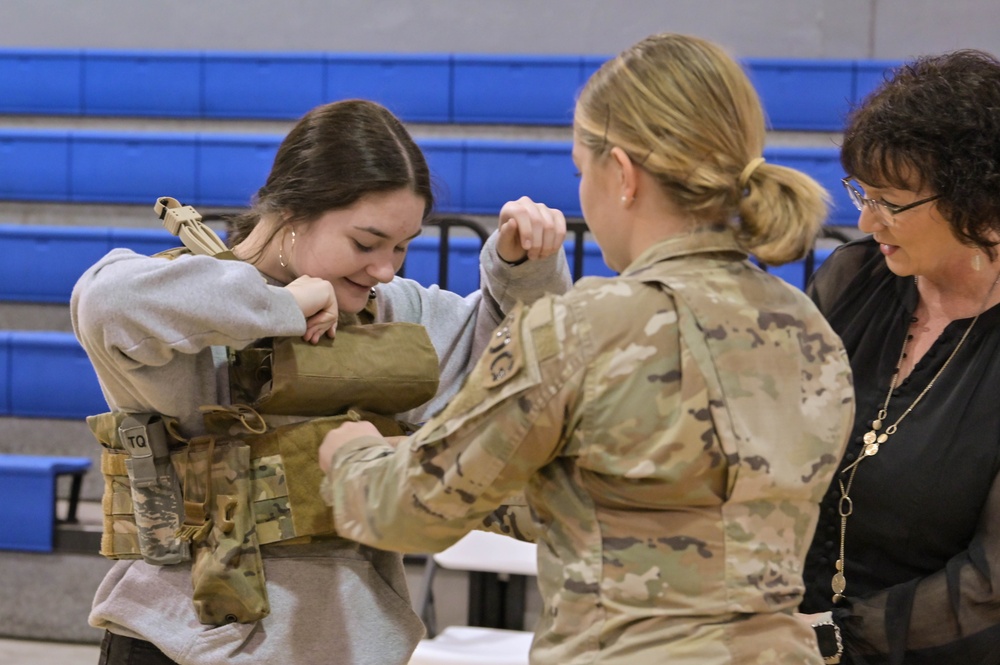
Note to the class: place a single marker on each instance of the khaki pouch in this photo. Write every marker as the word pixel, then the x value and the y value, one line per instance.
pixel 227 574
pixel 120 539
pixel 384 368
pixel 286 476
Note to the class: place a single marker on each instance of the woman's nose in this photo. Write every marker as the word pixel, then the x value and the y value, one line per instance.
pixel 383 270
pixel 870 221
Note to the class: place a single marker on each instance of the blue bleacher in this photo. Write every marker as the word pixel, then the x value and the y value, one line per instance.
pixel 42 263
pixel 47 375
pixel 28 499
pixel 474 176
pixel 435 88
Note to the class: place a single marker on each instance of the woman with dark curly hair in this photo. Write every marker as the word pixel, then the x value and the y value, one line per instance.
pixel 907 551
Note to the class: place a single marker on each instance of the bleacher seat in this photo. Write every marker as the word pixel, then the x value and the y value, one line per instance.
pixel 46 374
pixel 43 262
pixel 28 498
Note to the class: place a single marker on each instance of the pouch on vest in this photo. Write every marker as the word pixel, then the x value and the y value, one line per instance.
pixel 155 489
pixel 227 574
pixel 286 479
pixel 383 368
pixel 146 509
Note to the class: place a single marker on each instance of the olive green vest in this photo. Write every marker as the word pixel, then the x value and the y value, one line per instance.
pixel 253 478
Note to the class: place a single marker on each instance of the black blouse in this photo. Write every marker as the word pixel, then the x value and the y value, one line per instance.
pixel 923 542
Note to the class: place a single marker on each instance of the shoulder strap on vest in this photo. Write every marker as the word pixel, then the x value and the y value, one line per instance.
pixel 185 223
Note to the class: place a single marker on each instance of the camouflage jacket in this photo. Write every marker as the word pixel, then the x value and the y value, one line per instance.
pixel 673 431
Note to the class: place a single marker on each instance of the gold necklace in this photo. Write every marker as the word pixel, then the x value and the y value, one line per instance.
pixel 873 440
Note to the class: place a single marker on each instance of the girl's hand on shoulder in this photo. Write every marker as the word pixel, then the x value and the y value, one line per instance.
pixel 529 231
pixel 318 303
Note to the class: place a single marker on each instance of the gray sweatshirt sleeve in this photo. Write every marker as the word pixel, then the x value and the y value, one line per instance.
pixel 149 326
pixel 149 309
pixel 460 327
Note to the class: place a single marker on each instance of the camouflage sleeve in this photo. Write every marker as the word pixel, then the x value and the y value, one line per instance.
pixel 452 475
pixel 514 518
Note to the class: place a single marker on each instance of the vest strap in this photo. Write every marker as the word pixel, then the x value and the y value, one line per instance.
pixel 185 223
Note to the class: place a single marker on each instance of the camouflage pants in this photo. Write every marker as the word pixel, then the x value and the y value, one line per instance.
pixel 119 650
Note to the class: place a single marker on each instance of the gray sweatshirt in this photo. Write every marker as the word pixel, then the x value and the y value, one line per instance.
pixel 153 329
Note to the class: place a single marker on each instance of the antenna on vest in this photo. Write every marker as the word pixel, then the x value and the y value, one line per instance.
pixel 185 223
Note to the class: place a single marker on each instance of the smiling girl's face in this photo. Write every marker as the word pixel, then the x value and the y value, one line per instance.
pixel 357 247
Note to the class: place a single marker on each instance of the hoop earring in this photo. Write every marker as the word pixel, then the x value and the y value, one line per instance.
pixel 281 256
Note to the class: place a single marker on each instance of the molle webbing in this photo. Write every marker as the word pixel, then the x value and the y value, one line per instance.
pixel 284 477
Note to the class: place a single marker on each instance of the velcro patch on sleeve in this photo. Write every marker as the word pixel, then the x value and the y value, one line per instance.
pixel 504 355
pixel 539 320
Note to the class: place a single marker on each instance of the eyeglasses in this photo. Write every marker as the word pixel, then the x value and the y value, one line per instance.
pixel 886 211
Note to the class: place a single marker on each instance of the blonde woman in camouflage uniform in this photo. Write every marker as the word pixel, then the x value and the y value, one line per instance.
pixel 673 429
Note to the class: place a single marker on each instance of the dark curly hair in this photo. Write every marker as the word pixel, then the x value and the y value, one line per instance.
pixel 935 122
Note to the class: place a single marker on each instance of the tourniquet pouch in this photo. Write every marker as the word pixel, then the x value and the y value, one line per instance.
pixel 384 368
pixel 155 488
pixel 227 573
pixel 142 496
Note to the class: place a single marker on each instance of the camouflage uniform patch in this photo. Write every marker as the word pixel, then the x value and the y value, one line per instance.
pixel 503 353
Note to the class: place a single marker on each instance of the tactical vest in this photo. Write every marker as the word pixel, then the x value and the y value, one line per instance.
pixel 253 479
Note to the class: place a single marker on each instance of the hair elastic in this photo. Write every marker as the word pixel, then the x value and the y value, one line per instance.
pixel 748 171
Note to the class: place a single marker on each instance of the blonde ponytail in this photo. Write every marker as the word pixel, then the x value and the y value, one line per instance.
pixel 780 213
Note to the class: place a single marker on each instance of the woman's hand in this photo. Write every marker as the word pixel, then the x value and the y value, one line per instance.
pixel 529 230
pixel 336 438
pixel 318 302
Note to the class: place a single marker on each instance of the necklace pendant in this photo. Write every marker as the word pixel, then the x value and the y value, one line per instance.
pixel 871 449
pixel 837 598
pixel 838 583
pixel 869 437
